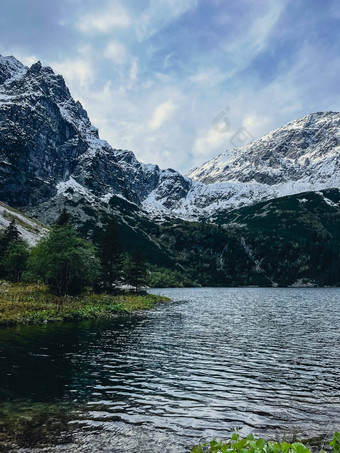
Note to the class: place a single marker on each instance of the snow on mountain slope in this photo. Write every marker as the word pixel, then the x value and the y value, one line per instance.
pixel 49 149
pixel 304 151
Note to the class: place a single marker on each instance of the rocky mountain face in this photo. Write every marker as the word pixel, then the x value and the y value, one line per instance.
pixel 50 151
pixel 300 156
pixel 30 229
pixel 51 157
pixel 48 146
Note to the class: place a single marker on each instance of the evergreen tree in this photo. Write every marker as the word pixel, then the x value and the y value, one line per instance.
pixel 9 235
pixel 111 258
pixel 136 270
pixel 14 261
pixel 64 218
pixel 65 262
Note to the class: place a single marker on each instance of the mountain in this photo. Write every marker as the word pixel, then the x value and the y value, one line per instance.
pixel 48 149
pixel 293 240
pixel 52 157
pixel 300 156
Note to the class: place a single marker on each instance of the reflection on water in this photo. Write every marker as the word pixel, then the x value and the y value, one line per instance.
pixel 210 361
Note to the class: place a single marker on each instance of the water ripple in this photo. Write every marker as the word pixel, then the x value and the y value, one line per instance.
pixel 211 361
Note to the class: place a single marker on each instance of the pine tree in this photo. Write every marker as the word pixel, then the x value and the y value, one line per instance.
pixel 110 254
pixel 64 218
pixel 11 233
pixel 136 270
pixel 14 261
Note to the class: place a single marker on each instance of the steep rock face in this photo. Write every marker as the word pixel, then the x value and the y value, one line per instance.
pixel 47 143
pixel 39 145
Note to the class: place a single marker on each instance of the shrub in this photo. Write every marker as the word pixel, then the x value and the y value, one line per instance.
pixel 64 261
pixel 252 445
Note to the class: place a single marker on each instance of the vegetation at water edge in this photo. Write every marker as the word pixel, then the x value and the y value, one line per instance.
pixel 22 303
pixel 252 445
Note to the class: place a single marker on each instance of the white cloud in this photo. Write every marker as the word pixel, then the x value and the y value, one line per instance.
pixel 105 21
pixel 116 52
pixel 244 48
pixel 208 77
pixel 208 142
pixel 161 114
pixel 159 14
pixel 76 72
pixel 134 70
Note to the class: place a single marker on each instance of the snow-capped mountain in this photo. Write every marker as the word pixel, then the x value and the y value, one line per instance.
pixel 303 155
pixel 50 152
pixel 48 147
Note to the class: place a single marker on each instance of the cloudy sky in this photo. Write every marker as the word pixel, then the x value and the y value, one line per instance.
pixel 180 81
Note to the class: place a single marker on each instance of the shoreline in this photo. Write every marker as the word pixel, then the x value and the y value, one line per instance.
pixel 23 304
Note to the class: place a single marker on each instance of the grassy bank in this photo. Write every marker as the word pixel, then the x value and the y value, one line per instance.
pixel 31 303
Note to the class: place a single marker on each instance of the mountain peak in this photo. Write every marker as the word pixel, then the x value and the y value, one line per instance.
pixel 10 68
pixel 280 155
pixel 36 67
pixel 49 150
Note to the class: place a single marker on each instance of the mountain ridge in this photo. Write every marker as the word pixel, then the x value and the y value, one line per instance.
pixel 51 157
pixel 59 149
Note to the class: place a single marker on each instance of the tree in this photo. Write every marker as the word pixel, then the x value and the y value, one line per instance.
pixel 64 261
pixel 64 218
pixel 11 233
pixel 14 261
pixel 111 259
pixel 9 236
pixel 136 270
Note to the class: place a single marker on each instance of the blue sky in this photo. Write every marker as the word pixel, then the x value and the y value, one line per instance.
pixel 178 81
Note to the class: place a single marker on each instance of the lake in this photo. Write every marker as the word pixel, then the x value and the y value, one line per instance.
pixel 265 360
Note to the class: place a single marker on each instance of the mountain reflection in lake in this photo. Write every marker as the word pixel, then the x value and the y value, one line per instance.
pixel 263 360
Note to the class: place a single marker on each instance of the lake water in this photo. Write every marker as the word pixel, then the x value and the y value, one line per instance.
pixel 212 360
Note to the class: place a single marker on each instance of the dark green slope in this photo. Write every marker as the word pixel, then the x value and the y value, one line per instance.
pixel 286 241
pixel 291 238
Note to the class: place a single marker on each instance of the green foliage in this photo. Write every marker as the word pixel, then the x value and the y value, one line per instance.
pixel 167 278
pixel 64 261
pixel 64 218
pixel 14 261
pixel 111 258
pixel 252 445
pixel 33 304
pixel 135 270
pixel 335 443
pixel 13 253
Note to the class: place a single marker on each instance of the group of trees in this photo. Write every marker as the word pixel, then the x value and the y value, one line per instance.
pixel 68 263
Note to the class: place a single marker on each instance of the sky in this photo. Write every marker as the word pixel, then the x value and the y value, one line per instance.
pixel 180 81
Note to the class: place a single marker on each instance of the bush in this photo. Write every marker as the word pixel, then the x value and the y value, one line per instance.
pixel 252 445
pixel 64 261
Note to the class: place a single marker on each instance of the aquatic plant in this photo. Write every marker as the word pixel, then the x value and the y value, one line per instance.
pixel 252 445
